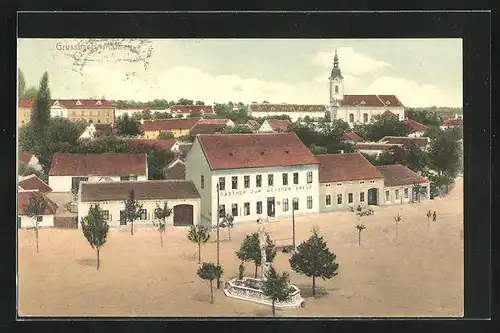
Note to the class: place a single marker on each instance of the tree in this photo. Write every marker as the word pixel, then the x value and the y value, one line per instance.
pixel 27 170
pixel 199 103
pixel 40 114
pixel 227 222
pixel 161 215
pixel 128 126
pixel 30 93
pixel 426 117
pixel 397 219
pixel 132 210
pixel 276 286
pixel 236 130
pixel 167 135
pixel 250 250
pixel 95 228
pixel 199 234
pixel 34 209
pixel 360 228
pixel 314 259
pixel 317 150
pixel 21 83
pixel 445 153
pixel 184 101
pixel 380 126
pixel 210 272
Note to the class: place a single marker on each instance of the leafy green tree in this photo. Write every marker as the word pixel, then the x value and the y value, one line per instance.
pixel 210 272
pixel 276 286
pixel 426 117
pixel 34 209
pixel 380 126
pixel 360 228
pixel 162 213
pixel 167 135
pixel 40 114
pixel 250 250
pixel 227 222
pixel 199 234
pixel 445 153
pixel 128 126
pixel 132 210
pixel 318 150
pixel 314 259
pixel 21 83
pixel 236 130
pixel 27 170
pixel 199 103
pixel 95 229
pixel 184 101
pixel 30 93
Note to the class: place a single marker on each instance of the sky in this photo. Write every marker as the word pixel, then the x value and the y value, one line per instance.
pixel 420 72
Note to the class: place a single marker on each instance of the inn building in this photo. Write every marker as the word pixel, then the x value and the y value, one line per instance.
pixel 253 176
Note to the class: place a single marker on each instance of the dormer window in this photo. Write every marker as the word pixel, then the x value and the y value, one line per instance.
pixel 387 103
pixel 56 103
pixel 362 102
pixel 98 103
pixel 78 102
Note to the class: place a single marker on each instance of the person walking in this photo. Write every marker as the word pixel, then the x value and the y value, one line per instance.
pixel 434 216
pixel 429 214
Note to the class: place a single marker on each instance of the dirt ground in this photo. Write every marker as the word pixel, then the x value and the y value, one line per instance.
pixel 418 274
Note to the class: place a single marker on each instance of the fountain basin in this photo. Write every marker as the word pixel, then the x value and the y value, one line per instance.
pixel 250 289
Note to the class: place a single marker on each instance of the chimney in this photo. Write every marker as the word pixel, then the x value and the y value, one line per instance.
pixel 141 121
pixel 341 151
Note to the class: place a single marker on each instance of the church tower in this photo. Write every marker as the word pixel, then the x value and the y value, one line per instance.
pixel 336 87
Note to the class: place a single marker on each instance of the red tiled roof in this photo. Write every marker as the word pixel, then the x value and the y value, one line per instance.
pixel 342 167
pixel 192 109
pixel 266 107
pixel 32 182
pixel 25 157
pixel 352 136
pixel 390 100
pixel 279 125
pixel 200 128
pixel 26 103
pixel 235 151
pixel 23 198
pixel 371 100
pixel 452 122
pixel 375 146
pixel 414 126
pixel 98 164
pixel 170 124
pixel 420 142
pixel 83 103
pixel 152 143
pixel 389 113
pixel 176 171
pixel 397 175
pixel 214 121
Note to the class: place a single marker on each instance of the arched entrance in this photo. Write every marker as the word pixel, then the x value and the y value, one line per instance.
pixel 373 196
pixel 183 215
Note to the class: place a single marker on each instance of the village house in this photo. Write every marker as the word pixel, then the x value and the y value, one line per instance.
pixel 374 148
pixel 421 142
pixel 253 176
pixel 275 125
pixel 416 129
pixel 294 111
pixel 184 148
pixel 180 195
pixel 169 145
pixel 32 182
pixel 455 121
pixel 68 170
pixel 352 137
pixel 400 184
pixel 176 169
pixel 44 220
pixel 207 128
pixel 90 110
pixel 186 110
pixel 93 131
pixel 30 160
pixel 348 180
pixel 178 127
pixel 24 111
pixel 253 125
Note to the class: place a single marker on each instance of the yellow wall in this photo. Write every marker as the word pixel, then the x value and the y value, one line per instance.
pixel 23 116
pixel 98 116
pixel 154 134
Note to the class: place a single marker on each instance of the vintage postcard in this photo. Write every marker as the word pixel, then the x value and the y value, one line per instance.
pixel 240 178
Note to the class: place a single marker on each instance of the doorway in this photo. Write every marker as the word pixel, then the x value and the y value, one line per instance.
pixel 373 196
pixel 271 207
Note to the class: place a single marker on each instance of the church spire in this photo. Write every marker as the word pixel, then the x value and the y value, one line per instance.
pixel 336 60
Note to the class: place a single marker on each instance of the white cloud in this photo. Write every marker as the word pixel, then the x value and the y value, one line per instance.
pixel 350 61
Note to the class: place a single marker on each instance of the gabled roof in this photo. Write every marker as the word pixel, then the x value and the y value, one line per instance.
pixel 26 103
pixel 143 190
pixel 371 100
pixel 32 182
pixel 352 136
pixel 253 124
pixel 279 125
pixel 184 148
pixel 235 151
pixel 192 109
pixel 342 167
pixel 420 142
pixel 98 164
pixel 169 124
pixel 206 128
pixel 83 103
pixel 452 122
pixel 176 171
pixel 414 126
pixel 267 107
pixel 398 175
pixel 23 198
pixel 25 157
pixel 152 143
pixel 215 121
pixel 389 113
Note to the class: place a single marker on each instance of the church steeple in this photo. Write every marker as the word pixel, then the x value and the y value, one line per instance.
pixel 336 60
pixel 336 87
pixel 336 73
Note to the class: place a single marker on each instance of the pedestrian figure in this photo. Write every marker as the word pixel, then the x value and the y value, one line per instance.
pixel 429 214
pixel 434 216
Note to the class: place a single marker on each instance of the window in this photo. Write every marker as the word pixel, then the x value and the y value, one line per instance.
pixel 285 179
pixel 295 177
pixel 133 177
pixel 258 181
pixel 105 215
pixel 396 194
pixel 19 221
pixel 234 181
pixel 349 198
pixel 351 117
pixel 259 207
pixel 270 180
pixel 339 199
pixel 124 178
pixel 122 218
pixel 285 205
pixel 202 181
pixel 222 211
pixel 143 214
pixel 365 117
pixel 295 203
pixel 309 177
pixel 406 193
pixel 246 181
pixel 234 209
pixel 339 184
pixel 362 197
pixel 246 208
pixel 336 89
pixel 386 195
pixel 361 182
pixel 309 202
pixel 328 199
pixel 39 218
pixel 222 183
pixel 372 181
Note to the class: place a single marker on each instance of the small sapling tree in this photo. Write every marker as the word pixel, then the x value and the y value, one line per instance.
pixel 210 272
pixel 95 228
pixel 314 259
pixel 360 228
pixel 397 219
pixel 132 210
pixel 227 222
pixel 161 214
pixel 199 234
pixel 34 209
pixel 250 250
pixel 276 286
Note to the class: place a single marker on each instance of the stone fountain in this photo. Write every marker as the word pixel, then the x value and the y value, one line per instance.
pixel 250 289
